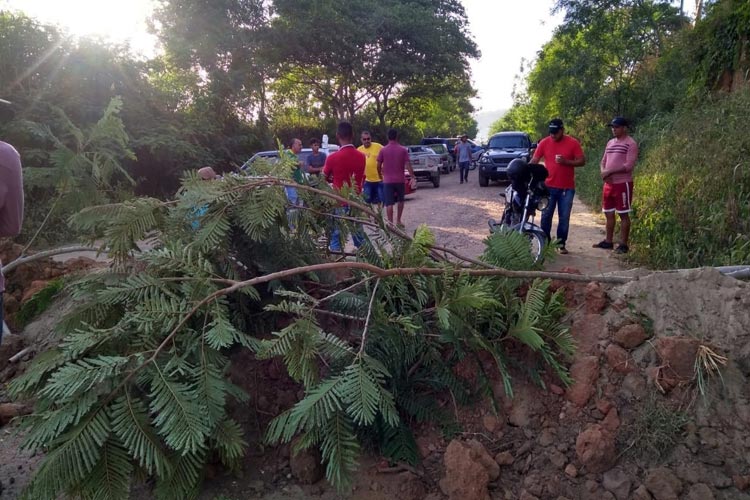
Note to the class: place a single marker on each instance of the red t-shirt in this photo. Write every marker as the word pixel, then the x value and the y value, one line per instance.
pixel 560 176
pixel 343 164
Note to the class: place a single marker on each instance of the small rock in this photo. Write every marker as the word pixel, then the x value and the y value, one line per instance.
pixel 617 482
pixel 557 459
pixel 547 437
pixel 504 458
pixel 663 484
pixel 306 465
pixel 678 355
pixel 630 336
pixel 699 491
pixel 596 298
pixel 641 493
pixel 490 423
pixel 595 448
pixel 534 484
pixel 612 421
pixel 585 372
pixel 571 471
pixel 741 482
pixel 604 406
pixel 9 411
pixel 525 495
pixel 618 359
pixel 556 389
pixel 468 471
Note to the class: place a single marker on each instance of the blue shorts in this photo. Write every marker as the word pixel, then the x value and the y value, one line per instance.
pixel 393 192
pixel 373 191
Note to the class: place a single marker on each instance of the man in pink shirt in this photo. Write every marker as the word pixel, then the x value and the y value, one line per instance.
pixel 392 160
pixel 11 203
pixel 617 172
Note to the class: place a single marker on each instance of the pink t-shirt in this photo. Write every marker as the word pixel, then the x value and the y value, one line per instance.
pixel 620 155
pixel 394 157
pixel 11 195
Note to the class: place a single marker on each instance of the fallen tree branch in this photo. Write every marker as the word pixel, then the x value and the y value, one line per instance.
pixel 47 253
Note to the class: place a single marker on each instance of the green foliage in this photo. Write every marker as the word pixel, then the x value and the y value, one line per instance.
pixel 138 384
pixel 655 431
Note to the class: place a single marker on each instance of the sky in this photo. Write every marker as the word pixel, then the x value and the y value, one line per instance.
pixel 505 31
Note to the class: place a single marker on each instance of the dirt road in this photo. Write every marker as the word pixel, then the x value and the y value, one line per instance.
pixel 458 213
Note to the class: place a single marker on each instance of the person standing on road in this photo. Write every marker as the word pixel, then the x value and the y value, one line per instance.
pixel 11 204
pixel 463 157
pixel 562 154
pixel 616 169
pixel 373 188
pixel 315 160
pixel 297 176
pixel 392 160
pixel 340 167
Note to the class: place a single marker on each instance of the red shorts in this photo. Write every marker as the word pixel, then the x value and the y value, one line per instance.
pixel 617 197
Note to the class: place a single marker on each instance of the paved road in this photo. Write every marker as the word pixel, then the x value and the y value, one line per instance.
pixel 458 213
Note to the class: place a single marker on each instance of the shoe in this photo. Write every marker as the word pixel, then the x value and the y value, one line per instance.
pixel 607 245
pixel 621 249
pixel 561 249
pixel 461 182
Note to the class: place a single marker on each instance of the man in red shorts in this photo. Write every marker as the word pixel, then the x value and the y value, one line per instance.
pixel 617 172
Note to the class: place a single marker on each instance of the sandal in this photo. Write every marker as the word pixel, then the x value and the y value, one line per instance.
pixel 607 245
pixel 563 250
pixel 622 249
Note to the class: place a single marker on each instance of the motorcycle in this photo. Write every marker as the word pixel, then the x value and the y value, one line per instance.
pixel 526 194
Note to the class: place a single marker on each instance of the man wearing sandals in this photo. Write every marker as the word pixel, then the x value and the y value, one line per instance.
pixel 562 154
pixel 617 173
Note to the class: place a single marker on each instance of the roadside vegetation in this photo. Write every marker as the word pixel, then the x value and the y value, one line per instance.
pixel 685 87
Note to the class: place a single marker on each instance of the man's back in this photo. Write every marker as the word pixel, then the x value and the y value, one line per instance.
pixel 394 157
pixel 344 164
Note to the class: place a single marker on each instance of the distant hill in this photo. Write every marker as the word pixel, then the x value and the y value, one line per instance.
pixel 485 119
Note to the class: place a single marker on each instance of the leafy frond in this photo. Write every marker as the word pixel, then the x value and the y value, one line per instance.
pixel 340 450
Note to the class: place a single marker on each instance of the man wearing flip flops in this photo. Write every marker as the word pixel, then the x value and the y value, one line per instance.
pixel 617 173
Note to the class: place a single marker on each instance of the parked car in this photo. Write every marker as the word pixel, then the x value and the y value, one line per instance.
pixel 501 149
pixel 426 164
pixel 273 155
pixel 447 163
pixel 450 145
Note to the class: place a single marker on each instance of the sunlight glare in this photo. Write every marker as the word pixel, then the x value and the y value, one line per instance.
pixel 119 21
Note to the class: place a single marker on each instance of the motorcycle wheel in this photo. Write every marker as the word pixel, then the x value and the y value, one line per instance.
pixel 536 245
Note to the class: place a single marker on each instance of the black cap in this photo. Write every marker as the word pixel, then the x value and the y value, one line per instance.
pixel 619 121
pixel 555 125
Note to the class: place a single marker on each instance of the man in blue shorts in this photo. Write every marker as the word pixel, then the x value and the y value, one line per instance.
pixel 373 188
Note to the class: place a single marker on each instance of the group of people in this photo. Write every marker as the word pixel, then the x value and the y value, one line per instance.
pixel 562 154
pixel 375 170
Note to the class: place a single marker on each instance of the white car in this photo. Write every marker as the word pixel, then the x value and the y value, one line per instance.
pixel 426 164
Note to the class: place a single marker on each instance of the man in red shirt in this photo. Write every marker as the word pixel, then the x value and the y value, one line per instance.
pixel 561 154
pixel 339 168
pixel 11 204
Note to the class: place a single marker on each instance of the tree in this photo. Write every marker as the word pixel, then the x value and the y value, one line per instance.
pixel 351 55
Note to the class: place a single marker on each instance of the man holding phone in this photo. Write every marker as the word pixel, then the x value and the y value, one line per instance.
pixel 561 154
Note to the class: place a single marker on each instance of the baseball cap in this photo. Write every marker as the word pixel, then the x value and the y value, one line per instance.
pixel 555 125
pixel 618 121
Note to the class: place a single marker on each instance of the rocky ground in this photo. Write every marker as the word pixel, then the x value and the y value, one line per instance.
pixel 634 425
